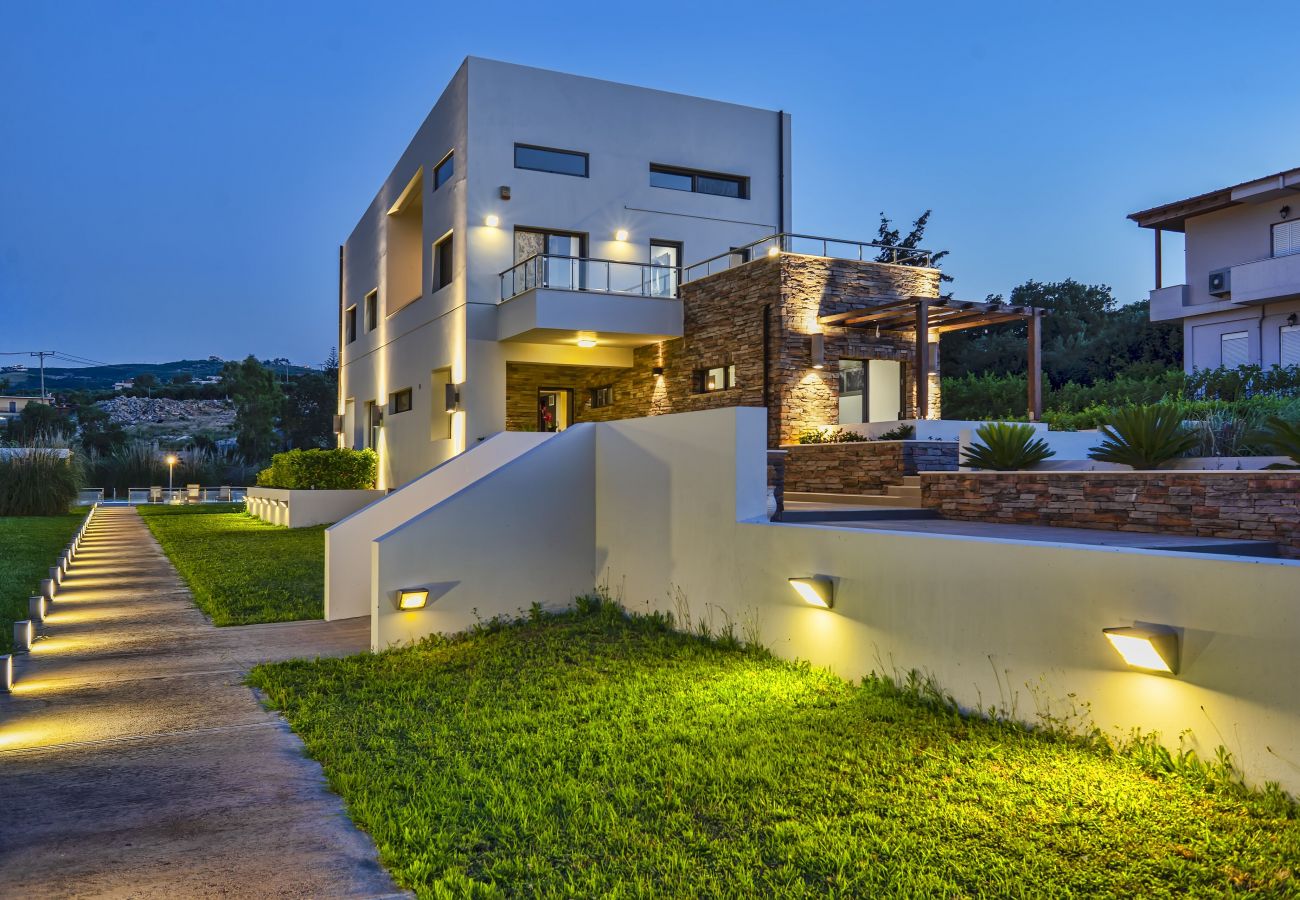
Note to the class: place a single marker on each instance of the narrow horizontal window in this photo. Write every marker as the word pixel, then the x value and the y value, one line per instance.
pixel 543 159
pixel 399 401
pixel 715 183
pixel 444 170
pixel 718 378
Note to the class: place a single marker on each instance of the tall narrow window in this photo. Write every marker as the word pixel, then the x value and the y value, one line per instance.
pixel 444 170
pixel 1236 349
pixel 444 263
pixel 350 324
pixel 372 310
pixel 1289 337
pixel 665 260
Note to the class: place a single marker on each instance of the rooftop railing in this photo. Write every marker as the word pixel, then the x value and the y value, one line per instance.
pixel 579 273
pixel 809 245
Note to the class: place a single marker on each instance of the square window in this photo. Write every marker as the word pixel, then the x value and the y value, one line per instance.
pixel 399 401
pixel 444 170
pixel 602 396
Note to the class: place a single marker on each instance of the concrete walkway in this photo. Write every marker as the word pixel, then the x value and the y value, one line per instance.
pixel 134 762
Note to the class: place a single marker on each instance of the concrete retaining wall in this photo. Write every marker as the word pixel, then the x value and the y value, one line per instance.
pixel 299 509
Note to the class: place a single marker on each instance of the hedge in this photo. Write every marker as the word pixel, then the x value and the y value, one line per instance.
pixel 321 470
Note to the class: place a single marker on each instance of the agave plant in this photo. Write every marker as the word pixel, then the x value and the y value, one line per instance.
pixel 1282 437
pixel 1144 437
pixel 1006 447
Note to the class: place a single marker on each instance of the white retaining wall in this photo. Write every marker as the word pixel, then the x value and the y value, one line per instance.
pixel 299 509
pixel 676 504
pixel 347 542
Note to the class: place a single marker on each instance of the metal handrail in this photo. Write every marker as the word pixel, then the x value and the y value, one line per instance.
pixel 581 273
pixel 787 242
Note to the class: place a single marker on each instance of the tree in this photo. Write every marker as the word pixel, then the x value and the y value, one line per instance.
pixel 1088 337
pixel 38 423
pixel 97 433
pixel 182 378
pixel 890 236
pixel 145 381
pixel 308 419
pixel 258 403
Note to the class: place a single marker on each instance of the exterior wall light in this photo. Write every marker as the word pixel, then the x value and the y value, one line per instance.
pixel 587 342
pixel 819 351
pixel 620 235
pixel 657 371
pixel 412 598
pixel 6 673
pixel 36 608
pixel 1150 647
pixel 24 634
pixel 451 397
pixel 492 221
pixel 816 590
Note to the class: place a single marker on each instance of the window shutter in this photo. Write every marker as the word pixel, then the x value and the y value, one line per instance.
pixel 1236 349
pixel 1286 238
pixel 1290 340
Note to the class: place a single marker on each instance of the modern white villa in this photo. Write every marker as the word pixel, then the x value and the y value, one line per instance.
pixel 529 265
pixel 1240 300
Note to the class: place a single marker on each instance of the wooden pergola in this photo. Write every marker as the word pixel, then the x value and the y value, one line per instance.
pixel 923 315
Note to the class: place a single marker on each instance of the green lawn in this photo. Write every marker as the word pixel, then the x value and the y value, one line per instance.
pixel 29 545
pixel 591 756
pixel 240 569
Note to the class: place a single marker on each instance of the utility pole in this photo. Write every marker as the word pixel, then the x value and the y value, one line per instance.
pixel 42 354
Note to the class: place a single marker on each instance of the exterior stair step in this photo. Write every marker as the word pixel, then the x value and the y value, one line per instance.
pixel 804 511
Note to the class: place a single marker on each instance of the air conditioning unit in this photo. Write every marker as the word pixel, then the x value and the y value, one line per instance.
pixel 1221 283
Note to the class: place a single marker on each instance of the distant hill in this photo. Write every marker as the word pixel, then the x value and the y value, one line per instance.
pixel 102 378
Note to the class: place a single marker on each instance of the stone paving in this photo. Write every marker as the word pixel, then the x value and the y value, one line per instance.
pixel 135 763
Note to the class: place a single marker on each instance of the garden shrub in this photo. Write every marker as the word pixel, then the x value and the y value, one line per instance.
pixel 37 481
pixel 1144 437
pixel 321 470
pixel 1281 437
pixel 829 436
pixel 1006 447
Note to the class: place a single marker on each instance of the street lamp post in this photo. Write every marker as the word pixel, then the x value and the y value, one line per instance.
pixel 171 465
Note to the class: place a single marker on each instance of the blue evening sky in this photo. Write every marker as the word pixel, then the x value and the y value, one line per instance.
pixel 176 177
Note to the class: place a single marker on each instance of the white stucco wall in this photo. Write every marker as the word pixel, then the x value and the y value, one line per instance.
pixel 347 543
pixel 300 509
pixel 675 504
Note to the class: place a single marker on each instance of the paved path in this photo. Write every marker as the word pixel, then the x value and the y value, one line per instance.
pixel 134 762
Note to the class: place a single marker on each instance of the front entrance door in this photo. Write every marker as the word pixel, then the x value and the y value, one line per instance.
pixel 554 409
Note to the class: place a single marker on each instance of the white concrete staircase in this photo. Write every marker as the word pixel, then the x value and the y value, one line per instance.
pixel 899 501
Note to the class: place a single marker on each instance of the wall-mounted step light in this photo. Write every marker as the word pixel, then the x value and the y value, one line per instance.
pixel 816 590
pixel 412 598
pixel 1150 647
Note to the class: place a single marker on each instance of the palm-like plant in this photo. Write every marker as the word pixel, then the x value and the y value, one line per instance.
pixel 1282 437
pixel 1144 437
pixel 1006 447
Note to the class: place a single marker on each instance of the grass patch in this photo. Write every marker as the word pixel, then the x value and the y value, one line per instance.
pixel 29 545
pixel 240 569
pixel 592 755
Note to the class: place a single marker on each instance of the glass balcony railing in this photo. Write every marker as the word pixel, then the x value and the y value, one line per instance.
pixel 575 273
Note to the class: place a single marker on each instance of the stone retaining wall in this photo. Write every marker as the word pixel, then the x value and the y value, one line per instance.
pixel 1250 505
pixel 862 467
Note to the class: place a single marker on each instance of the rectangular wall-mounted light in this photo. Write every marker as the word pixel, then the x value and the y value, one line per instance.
pixel 816 590
pixel 24 634
pixel 452 398
pixel 819 351
pixel 412 598
pixel 1153 648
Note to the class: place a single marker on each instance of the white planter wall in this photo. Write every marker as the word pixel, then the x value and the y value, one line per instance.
pixel 299 509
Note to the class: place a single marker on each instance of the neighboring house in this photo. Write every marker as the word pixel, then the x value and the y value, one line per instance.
pixel 528 265
pixel 12 407
pixel 1240 303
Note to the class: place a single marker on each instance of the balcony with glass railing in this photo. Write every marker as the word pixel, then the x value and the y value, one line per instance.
pixel 553 271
